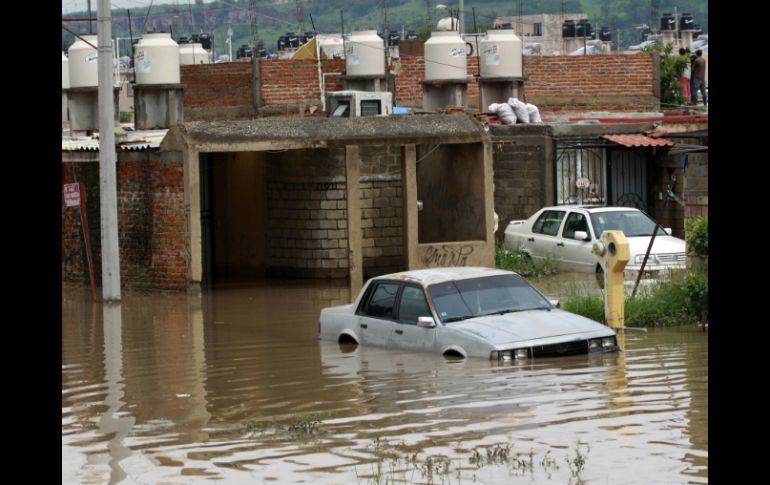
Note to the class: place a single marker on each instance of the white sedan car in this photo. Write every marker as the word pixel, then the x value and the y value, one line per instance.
pixel 464 312
pixel 567 233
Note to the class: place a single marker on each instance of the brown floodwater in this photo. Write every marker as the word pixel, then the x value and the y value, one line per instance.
pixel 234 387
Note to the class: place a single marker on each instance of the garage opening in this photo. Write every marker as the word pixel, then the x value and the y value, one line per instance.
pixel 273 214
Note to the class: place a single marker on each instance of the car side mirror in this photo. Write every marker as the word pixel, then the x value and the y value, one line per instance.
pixel 426 322
pixel 555 303
pixel 581 236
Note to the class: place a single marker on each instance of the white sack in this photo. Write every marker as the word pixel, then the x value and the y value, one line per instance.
pixel 534 113
pixel 520 109
pixel 506 114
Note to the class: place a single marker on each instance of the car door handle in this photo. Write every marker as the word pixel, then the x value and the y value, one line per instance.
pixel 560 244
pixel 400 332
pixel 531 239
pixel 363 325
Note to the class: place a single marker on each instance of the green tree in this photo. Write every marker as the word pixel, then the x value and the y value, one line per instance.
pixel 671 66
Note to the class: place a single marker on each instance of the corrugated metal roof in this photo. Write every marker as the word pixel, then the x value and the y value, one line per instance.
pixel 638 141
pixel 134 141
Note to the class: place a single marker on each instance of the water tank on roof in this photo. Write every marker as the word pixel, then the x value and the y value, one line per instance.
pixel 292 39
pixel 394 37
pixel 568 29
pixel 500 54
pixel 332 45
pixel 445 57
pixel 65 72
pixel 365 54
pixel 282 44
pixel 193 54
pixel 83 63
pixel 667 22
pixel 686 22
pixel 203 39
pixel 583 28
pixel 183 40
pixel 605 35
pixel 698 31
pixel 156 59
pixel 412 35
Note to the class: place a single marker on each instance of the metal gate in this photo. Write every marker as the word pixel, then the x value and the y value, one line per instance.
pixel 580 174
pixel 627 172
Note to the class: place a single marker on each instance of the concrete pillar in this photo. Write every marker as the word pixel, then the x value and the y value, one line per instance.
pixel 353 186
pixel 409 191
pixel 192 212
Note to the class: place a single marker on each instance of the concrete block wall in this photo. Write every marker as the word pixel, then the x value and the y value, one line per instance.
pixel 523 171
pixel 307 213
pixel 150 222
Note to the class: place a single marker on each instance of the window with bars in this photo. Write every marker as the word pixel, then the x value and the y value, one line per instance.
pixel 580 175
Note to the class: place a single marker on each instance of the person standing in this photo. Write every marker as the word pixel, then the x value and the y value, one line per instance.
pixel 684 75
pixel 699 78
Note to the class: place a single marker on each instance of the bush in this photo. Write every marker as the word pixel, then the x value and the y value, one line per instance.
pixel 680 300
pixel 697 236
pixel 521 263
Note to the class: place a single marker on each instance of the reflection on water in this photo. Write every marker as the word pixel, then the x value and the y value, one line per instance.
pixel 234 387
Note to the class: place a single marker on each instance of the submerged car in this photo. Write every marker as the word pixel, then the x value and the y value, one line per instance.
pixel 465 312
pixel 567 234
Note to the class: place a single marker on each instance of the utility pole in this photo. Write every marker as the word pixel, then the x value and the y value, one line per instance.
pixel 461 18
pixel 108 193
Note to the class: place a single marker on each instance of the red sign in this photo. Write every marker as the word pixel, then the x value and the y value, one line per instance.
pixel 71 195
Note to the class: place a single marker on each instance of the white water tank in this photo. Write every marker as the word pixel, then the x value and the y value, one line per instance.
pixel 500 54
pixel 65 72
pixel 365 54
pixel 156 59
pixel 331 45
pixel 84 63
pixel 193 54
pixel 445 57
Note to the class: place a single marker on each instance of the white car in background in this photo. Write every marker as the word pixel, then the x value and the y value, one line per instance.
pixel 567 234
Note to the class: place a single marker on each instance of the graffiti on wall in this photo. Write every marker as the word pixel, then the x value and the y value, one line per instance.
pixel 438 256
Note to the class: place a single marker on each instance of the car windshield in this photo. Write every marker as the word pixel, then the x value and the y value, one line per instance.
pixel 489 295
pixel 632 222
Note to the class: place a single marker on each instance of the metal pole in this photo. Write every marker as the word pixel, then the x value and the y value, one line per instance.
pixel 107 169
pixel 90 27
pixel 461 18
pixel 644 261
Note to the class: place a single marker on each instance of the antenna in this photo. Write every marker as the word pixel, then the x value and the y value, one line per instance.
pixel 300 17
pixel 520 13
pixel 428 17
pixel 655 23
pixel 385 24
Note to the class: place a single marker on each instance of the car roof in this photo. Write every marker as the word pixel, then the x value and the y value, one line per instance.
pixel 427 277
pixel 591 208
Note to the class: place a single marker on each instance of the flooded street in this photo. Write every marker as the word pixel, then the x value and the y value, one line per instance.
pixel 234 387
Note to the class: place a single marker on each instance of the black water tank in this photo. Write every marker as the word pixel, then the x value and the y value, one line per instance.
pixel 183 40
pixel 582 28
pixel 686 22
pixel 589 30
pixel 568 29
pixel 394 37
pixel 605 35
pixel 281 45
pixel 292 40
pixel 646 33
pixel 698 31
pixel 667 22
pixel 505 26
pixel 412 35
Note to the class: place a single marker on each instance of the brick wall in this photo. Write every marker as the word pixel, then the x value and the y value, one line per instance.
pixel 150 223
pixel 289 82
pixel 217 85
pixel 613 82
